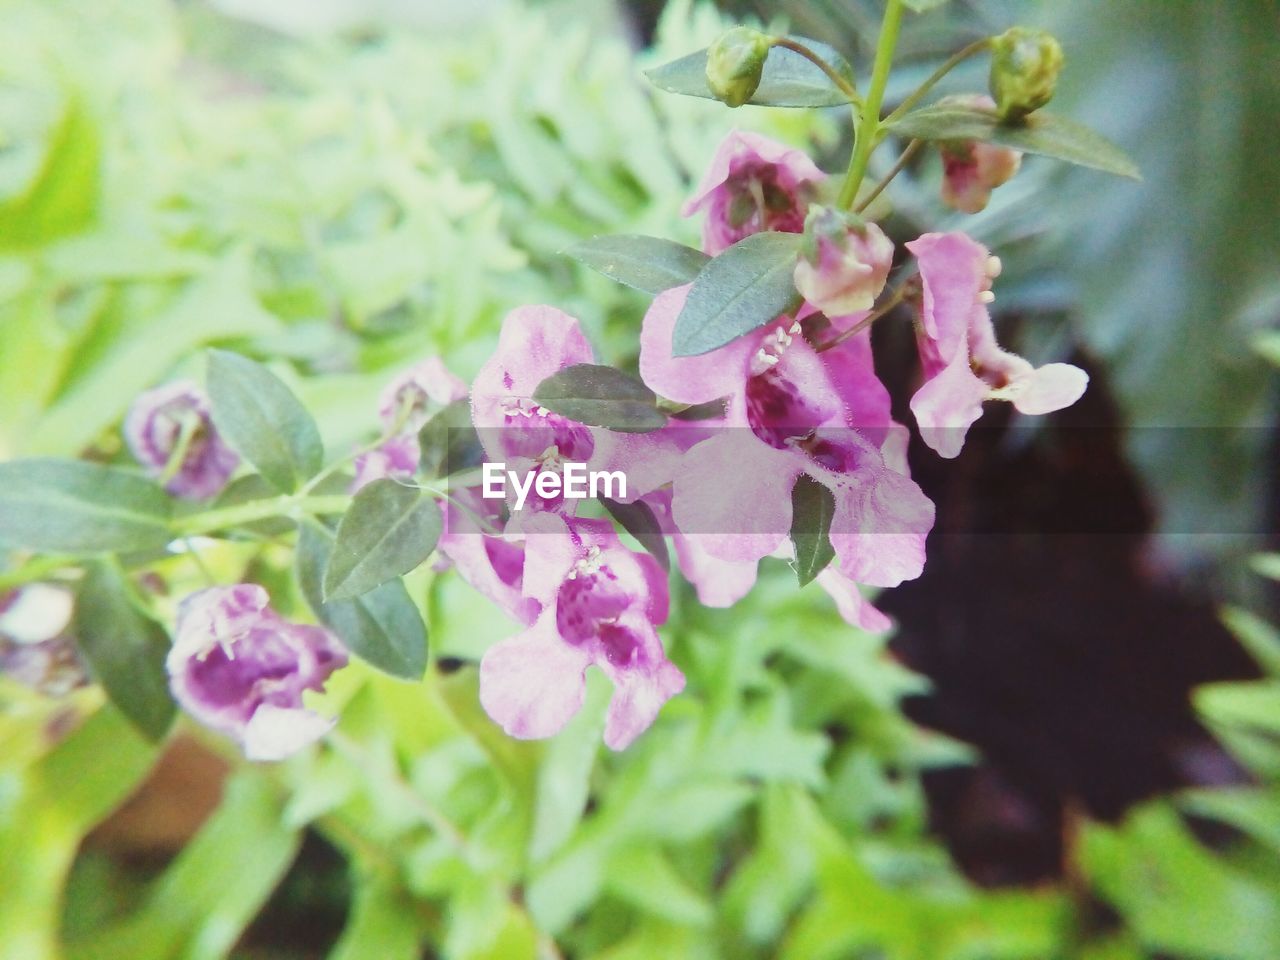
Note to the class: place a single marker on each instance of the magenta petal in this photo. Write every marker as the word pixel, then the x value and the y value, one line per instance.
pixel 733 493
pixel 953 271
pixel 637 698
pixel 853 607
pixel 688 379
pixel 1049 388
pixel 947 405
pixel 881 521
pixel 532 684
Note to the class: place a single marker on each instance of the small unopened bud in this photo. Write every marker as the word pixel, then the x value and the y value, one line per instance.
pixel 735 63
pixel 971 170
pixel 844 263
pixel 1025 64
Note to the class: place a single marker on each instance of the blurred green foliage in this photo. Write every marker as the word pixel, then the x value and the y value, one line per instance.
pixel 170 179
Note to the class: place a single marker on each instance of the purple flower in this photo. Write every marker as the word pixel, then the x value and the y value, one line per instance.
pixel 238 667
pixel 753 184
pixel 971 170
pixel 169 431
pixel 791 411
pixel 600 604
pixel 963 366
pixel 35 649
pixel 535 342
pixel 849 267
pixel 404 407
pixel 485 554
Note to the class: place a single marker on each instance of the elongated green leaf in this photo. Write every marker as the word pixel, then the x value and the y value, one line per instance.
pixel 448 441
pixel 1042 133
pixel 788 79
pixel 388 530
pixel 63 196
pixel 70 506
pixel 383 627
pixel 920 6
pixel 812 507
pixel 744 288
pixel 601 397
pixel 648 264
pixel 638 519
pixel 125 650
pixel 263 420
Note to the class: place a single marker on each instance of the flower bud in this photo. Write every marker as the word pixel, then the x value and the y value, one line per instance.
pixel 1024 71
pixel 35 649
pixel 172 435
pixel 971 170
pixel 735 63
pixel 845 263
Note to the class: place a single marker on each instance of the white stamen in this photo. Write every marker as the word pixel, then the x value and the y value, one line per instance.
pixel 986 296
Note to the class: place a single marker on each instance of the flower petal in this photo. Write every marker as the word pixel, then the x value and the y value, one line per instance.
pixel 532 684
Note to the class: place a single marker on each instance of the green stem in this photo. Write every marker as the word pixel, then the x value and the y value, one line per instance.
pixel 37 568
pixel 214 520
pixel 950 64
pixel 896 169
pixel 843 84
pixel 894 299
pixel 869 124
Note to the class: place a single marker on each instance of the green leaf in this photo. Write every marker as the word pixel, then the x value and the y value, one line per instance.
pixel 921 6
pixel 601 397
pixel 63 196
pixel 1042 133
pixel 263 420
pixel 70 506
pixel 745 287
pixel 637 518
pixel 788 79
pixel 648 264
pixel 383 627
pixel 382 924
pixel 125 650
pixel 812 507
pixel 449 442
pixel 388 530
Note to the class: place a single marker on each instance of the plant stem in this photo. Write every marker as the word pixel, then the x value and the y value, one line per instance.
pixel 213 520
pixel 950 64
pixel 895 298
pixel 842 83
pixel 37 568
pixel 896 169
pixel 869 124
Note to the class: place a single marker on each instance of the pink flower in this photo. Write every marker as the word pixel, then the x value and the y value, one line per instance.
pixel 963 366
pixel 170 433
pixel 971 170
pixel 535 342
pixel 849 269
pixel 600 605
pixel 240 668
pixel 753 184
pixel 791 411
pixel 487 555
pixel 406 404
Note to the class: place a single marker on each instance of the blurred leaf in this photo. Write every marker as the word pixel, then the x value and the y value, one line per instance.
pixel 1267 565
pixel 1268 344
pixel 812 507
pixel 788 79
pixel 747 286
pixel 644 877
pixel 126 651
pixel 449 442
pixel 601 397
pixel 389 530
pixel 262 419
pixel 637 518
pixel 647 264
pixel 381 925
pixel 71 506
pixel 920 6
pixel 382 627
pixel 202 902
pixel 1042 133
pixel 64 195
